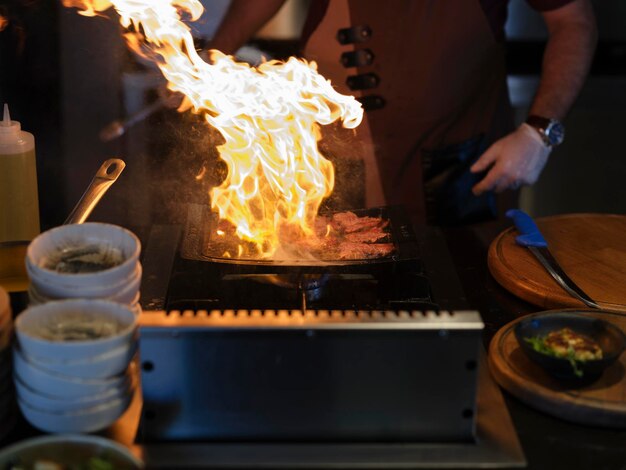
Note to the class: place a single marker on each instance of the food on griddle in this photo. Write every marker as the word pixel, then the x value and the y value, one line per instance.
pixel 349 250
pixel 346 236
pixel 349 222
pixel 341 236
pixel 370 236
pixel 569 345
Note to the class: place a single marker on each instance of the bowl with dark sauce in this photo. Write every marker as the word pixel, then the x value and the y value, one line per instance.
pixel 76 328
pixel 82 256
pixel 69 451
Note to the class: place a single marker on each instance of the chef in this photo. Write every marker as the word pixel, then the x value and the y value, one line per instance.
pixel 438 135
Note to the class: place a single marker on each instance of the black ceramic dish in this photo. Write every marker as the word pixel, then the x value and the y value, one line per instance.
pixel 608 336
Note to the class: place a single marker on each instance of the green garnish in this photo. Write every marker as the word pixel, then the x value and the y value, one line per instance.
pixel 539 344
pixel 96 463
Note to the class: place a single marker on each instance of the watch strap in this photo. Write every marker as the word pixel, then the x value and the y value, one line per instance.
pixel 550 130
pixel 538 122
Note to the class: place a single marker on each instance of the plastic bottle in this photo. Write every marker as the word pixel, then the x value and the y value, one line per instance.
pixel 19 202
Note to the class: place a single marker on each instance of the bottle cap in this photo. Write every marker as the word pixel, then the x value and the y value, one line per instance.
pixel 9 130
pixel 6 125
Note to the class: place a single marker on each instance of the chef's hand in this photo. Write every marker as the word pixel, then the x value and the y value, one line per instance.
pixel 516 159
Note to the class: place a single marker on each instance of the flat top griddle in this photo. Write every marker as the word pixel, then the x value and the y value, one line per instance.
pixel 198 244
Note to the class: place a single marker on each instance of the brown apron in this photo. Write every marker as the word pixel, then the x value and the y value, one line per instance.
pixel 432 78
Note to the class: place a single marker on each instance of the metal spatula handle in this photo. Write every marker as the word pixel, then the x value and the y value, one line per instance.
pixel 107 174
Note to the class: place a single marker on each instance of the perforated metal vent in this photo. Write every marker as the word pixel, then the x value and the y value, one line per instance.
pixel 314 318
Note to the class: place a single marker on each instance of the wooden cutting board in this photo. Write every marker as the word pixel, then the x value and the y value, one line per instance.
pixel 600 403
pixel 591 249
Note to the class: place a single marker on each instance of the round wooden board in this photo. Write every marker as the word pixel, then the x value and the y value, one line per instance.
pixel 591 249
pixel 601 403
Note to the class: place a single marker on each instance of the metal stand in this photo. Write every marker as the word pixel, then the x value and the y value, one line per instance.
pixel 496 446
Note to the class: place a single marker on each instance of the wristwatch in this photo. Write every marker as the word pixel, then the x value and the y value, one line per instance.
pixel 552 132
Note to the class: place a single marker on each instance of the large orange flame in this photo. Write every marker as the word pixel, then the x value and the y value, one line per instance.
pixel 268 115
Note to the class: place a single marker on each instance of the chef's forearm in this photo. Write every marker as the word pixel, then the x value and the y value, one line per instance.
pixel 567 58
pixel 242 20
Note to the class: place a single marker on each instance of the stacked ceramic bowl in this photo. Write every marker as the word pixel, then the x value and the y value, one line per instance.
pixel 69 452
pixel 91 260
pixel 7 399
pixel 73 364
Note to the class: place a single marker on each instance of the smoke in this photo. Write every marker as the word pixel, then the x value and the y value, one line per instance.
pixel 184 161
pixel 342 147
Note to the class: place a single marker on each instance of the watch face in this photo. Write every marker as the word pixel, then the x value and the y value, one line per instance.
pixel 555 132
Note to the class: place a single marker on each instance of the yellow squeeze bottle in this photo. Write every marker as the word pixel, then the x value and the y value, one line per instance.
pixel 19 202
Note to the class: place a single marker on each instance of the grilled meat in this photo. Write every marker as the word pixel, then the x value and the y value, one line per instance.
pixel 349 222
pixel 350 250
pixel 370 236
pixel 342 236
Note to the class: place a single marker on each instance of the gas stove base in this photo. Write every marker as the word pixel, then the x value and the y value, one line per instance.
pixel 496 446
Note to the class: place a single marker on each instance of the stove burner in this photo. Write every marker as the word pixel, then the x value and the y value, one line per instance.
pixel 209 289
pixel 309 287
pixel 305 282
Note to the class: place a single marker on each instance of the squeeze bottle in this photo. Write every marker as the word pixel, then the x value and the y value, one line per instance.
pixel 19 203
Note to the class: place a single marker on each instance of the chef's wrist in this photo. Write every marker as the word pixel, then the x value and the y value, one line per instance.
pixel 533 134
pixel 551 131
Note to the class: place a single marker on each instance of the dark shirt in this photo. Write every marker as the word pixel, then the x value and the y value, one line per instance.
pixel 495 11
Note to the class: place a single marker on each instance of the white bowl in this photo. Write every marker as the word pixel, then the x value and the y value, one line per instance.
pixel 123 290
pixel 69 451
pixel 59 385
pixel 136 307
pixel 130 291
pixel 36 326
pixel 48 245
pixel 106 365
pixel 34 297
pixel 85 420
pixel 53 404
